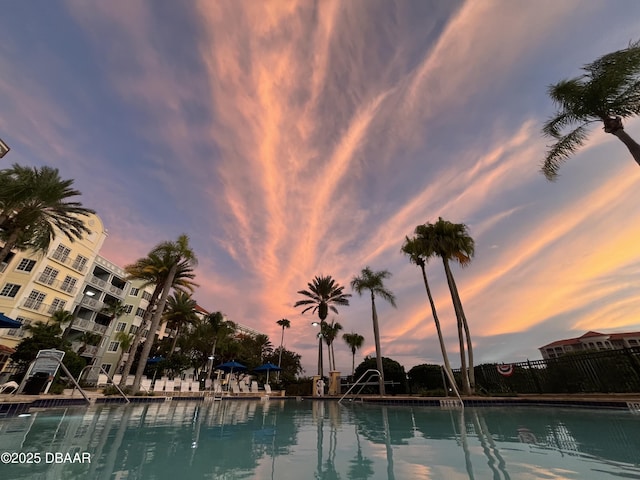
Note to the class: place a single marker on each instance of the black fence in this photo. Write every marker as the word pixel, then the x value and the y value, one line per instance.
pixel 609 371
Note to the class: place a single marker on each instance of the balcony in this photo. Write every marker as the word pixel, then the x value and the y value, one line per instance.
pixel 78 266
pixel 92 303
pixel 57 284
pixel 89 350
pixel 87 325
pixel 36 306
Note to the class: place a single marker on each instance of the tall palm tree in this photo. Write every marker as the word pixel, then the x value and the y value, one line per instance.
pixel 330 333
pixel 608 92
pixel 34 203
pixel 419 253
pixel 180 311
pixel 323 294
pixel 125 340
pixel 284 323
pixel 451 241
pixel 374 283
pixel 355 341
pixel 152 270
pixel 174 254
pixel 221 329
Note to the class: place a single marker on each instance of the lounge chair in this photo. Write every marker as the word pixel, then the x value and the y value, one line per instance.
pixel 102 380
pixel 129 382
pixel 116 378
pixel 254 387
pixel 195 386
pixel 244 388
pixel 217 388
pixel 184 386
pixel 267 389
pixel 169 387
pixel 234 387
pixel 208 384
pixel 145 384
pixel 159 385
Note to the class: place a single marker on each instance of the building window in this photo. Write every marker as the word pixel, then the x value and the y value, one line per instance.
pixel 48 275
pixel 79 263
pixel 34 300
pixel 146 296
pixel 57 304
pixel 633 342
pixel 26 265
pixel 61 253
pixel 19 332
pixel 134 291
pixel 140 312
pixel 69 284
pixel 133 329
pixel 113 347
pixel 106 367
pixel 128 308
pixel 9 290
pixel 121 327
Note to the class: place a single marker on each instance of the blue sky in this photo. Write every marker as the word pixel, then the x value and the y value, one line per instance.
pixel 291 139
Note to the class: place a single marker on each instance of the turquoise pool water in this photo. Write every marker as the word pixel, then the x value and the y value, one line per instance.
pixel 285 439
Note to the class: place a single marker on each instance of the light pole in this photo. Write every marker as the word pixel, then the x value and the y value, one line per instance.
pixel 320 369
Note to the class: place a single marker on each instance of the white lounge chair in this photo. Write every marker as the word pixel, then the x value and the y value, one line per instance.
pixel 116 378
pixel 169 387
pixel 102 380
pixel 130 380
pixel 267 389
pixel 244 388
pixel 208 384
pixel 184 386
pixel 195 386
pixel 159 385
pixel 234 387
pixel 145 384
pixel 9 387
pixel 254 387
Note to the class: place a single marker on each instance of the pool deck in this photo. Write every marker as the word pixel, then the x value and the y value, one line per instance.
pixel 11 405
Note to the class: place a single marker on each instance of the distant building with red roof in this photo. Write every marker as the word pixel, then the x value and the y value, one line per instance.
pixel 591 341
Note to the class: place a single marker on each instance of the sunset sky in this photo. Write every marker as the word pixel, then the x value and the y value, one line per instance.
pixel 292 139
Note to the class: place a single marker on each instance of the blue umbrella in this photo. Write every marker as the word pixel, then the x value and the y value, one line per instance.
pixel 231 366
pixel 155 360
pixel 6 322
pixel 267 367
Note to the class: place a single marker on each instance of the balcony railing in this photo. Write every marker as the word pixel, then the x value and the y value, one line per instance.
pixel 57 284
pixel 89 350
pixel 65 260
pixel 82 324
pixel 92 303
pixel 105 285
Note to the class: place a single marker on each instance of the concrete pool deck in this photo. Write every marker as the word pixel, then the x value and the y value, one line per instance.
pixel 11 405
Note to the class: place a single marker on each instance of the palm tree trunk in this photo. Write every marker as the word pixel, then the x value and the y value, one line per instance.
pixel 320 369
pixel 353 362
pixel 281 344
pixel 155 322
pixel 466 387
pixel 376 336
pixel 625 138
pixel 465 325
pixel 436 320
pixel 138 336
pixel 175 339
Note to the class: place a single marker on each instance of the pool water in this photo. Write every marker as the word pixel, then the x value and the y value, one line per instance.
pixel 286 439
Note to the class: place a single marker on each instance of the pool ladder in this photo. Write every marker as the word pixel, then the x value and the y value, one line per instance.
pixel 372 373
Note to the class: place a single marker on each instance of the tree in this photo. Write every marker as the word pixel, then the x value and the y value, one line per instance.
pixel 393 372
pixel 355 341
pixel 181 311
pixel 330 333
pixel 34 205
pixel 419 253
pixel 323 294
pixel 221 330
pixel 374 283
pixel 608 92
pixel 173 254
pixel 451 241
pixel 284 323
pixel 153 270
pixel 125 341
pixel 88 338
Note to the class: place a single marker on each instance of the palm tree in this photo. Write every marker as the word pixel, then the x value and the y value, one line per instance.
pixel 125 340
pixel 419 254
pixel 323 294
pixel 451 241
pixel 88 338
pixel 221 329
pixel 60 317
pixel 181 310
pixel 330 333
pixel 355 341
pixel 152 270
pixel 284 323
pixel 34 205
pixel 608 92
pixel 374 282
pixel 174 255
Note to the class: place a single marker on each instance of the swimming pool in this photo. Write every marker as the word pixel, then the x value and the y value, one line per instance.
pixel 285 439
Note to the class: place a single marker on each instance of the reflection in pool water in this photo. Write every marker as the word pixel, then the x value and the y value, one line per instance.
pixel 281 439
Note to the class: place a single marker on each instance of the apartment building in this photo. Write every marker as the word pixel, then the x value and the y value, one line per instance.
pixel 35 285
pixel 591 341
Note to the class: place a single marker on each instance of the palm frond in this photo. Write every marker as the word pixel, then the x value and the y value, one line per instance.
pixel 562 150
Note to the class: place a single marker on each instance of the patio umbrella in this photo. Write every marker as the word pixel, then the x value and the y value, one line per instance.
pixel 231 366
pixel 6 322
pixel 267 367
pixel 154 360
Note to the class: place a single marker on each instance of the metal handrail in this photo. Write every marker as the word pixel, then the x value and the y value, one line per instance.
pixel 377 372
pixel 108 376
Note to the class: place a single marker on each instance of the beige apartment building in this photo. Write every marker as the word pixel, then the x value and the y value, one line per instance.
pixel 591 341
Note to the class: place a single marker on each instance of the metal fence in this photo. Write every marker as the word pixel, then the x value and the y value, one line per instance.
pixel 609 371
